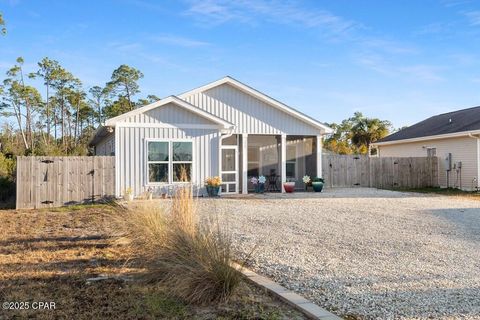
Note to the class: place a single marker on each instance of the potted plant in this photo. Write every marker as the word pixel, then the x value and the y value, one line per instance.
pixel 289 186
pixel 317 184
pixel 308 182
pixel 259 183
pixel 128 194
pixel 213 186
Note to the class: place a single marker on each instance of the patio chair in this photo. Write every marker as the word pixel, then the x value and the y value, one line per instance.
pixel 272 182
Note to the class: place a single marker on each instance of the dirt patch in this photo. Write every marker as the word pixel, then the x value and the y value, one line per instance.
pixel 47 256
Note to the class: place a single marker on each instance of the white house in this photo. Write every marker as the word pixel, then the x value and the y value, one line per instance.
pixel 453 137
pixel 224 128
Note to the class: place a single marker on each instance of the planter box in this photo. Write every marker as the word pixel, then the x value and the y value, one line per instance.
pixel 317 186
pixel 289 187
pixel 213 191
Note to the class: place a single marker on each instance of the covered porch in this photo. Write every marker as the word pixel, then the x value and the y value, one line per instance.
pixel 279 158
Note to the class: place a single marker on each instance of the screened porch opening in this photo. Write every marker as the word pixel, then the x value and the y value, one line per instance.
pixel 301 159
pixel 264 159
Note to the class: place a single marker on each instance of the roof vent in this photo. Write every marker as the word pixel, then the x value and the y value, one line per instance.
pixel 450 120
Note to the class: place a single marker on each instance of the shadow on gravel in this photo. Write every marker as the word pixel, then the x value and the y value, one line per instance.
pixel 451 303
pixel 329 193
pixel 466 222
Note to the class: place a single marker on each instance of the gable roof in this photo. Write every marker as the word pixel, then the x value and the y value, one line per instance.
pixel 452 123
pixel 171 99
pixel 262 97
pixel 101 133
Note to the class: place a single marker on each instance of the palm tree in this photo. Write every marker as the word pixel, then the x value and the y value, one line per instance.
pixel 367 130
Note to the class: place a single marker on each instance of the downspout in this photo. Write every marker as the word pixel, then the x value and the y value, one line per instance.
pixel 478 159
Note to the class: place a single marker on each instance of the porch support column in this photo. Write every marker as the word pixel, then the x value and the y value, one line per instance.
pixel 319 156
pixel 283 157
pixel 245 163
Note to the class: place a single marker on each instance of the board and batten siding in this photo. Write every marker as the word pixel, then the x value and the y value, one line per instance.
pixel 463 149
pixel 169 122
pixel 248 114
pixel 131 154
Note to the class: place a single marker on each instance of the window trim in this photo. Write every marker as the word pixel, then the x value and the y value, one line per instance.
pixel 170 162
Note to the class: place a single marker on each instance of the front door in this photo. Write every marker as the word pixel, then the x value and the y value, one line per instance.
pixel 229 169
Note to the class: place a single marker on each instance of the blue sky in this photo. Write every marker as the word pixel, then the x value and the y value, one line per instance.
pixel 396 60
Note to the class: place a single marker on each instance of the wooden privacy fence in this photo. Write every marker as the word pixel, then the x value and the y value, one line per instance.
pixel 387 173
pixel 57 181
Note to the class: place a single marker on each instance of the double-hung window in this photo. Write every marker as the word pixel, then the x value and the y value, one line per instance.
pixel 182 158
pixel 169 161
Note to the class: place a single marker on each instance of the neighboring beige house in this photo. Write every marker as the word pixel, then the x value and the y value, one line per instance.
pixel 453 137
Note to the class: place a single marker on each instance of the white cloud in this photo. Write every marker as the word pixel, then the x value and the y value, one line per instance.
pixel 455 3
pixel 388 46
pixel 381 64
pixel 473 17
pixel 179 41
pixel 124 46
pixel 214 12
pixel 435 28
pixel 424 72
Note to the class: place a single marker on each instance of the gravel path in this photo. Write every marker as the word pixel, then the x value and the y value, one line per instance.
pixel 371 254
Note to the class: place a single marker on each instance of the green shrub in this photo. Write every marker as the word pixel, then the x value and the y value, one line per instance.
pixel 7 178
pixel 7 189
pixel 7 167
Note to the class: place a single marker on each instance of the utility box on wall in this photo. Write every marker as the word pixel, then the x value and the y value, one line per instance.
pixel 448 162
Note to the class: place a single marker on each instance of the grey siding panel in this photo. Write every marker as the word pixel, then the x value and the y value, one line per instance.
pixel 132 162
pixel 249 114
pixel 106 147
pixel 169 113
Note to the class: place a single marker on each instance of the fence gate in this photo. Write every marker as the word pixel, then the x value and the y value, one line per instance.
pixel 55 181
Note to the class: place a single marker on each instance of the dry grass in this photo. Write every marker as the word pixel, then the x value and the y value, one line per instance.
pixel 191 260
pixel 451 192
pixel 47 255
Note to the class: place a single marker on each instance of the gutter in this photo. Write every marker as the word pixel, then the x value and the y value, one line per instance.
pixel 478 158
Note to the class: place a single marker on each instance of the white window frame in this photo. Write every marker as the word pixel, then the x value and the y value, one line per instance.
pixel 235 171
pixel 170 162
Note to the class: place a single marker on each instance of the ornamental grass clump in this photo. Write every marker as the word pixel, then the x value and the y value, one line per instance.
pixel 191 260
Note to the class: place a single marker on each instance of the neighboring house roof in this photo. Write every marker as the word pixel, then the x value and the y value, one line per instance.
pixel 451 124
pixel 100 134
pixel 262 97
pixel 171 99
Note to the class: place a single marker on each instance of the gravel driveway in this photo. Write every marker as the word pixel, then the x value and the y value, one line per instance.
pixel 367 253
